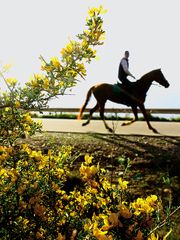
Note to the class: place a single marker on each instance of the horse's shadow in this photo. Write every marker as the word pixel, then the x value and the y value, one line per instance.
pixel 162 153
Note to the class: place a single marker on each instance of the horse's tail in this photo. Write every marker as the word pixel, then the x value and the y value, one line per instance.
pixel 85 103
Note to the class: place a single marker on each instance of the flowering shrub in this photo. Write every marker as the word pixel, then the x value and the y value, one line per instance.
pixel 36 200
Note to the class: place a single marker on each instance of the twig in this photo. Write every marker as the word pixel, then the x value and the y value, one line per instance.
pixel 164 221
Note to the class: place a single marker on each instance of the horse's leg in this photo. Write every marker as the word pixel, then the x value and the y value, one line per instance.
pixel 143 110
pixel 135 112
pixel 90 114
pixel 102 117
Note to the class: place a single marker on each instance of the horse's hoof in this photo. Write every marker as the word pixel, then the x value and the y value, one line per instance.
pixel 84 124
pixel 123 124
pixel 110 130
pixel 155 131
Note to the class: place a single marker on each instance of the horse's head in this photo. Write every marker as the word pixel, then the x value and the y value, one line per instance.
pixel 159 77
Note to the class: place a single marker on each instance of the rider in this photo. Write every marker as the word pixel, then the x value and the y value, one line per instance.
pixel 124 70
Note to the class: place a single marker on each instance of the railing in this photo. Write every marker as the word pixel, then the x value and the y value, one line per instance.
pixel 112 110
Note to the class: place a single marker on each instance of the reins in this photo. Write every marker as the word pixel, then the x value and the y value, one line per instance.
pixel 155 84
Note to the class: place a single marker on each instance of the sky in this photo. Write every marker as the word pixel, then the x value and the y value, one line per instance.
pixel 148 29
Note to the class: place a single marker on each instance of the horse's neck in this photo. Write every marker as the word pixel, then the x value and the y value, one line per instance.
pixel 144 83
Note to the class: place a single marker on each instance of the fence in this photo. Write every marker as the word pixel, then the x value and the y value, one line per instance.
pixel 112 110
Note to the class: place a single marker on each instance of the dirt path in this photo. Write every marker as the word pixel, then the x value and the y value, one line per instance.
pixel 97 126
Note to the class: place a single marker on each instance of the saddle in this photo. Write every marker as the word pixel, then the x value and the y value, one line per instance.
pixel 125 89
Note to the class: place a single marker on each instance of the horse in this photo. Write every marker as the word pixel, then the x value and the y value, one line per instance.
pixel 133 96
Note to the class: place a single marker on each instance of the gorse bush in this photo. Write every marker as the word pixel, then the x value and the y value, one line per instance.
pixel 39 197
pixel 38 203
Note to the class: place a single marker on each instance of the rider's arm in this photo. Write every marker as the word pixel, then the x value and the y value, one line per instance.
pixel 125 68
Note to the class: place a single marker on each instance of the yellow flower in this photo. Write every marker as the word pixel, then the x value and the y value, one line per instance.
pixel 94 170
pixel 93 191
pixel 101 201
pixel 68 49
pixel 3 155
pixel 100 235
pixel 81 68
pixel 144 205
pixel 3 172
pixel 17 104
pixel 11 81
pixel 2 148
pixel 72 214
pixel 106 184
pixel 27 118
pixel 25 222
pixel 153 237
pixel 106 225
pixel 36 154
pixel 59 172
pixel 38 76
pixel 88 172
pixel 87 226
pixel 102 36
pixel 55 62
pixel 93 11
pixel 39 122
pixel 61 84
pixel 88 159
pixel 46 83
pixel 26 148
pixel 63 51
pixel 34 83
pixel 122 184
pixel 151 200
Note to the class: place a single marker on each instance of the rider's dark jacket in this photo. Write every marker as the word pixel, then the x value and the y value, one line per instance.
pixel 122 75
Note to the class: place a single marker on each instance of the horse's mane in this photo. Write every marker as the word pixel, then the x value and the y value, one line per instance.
pixel 146 75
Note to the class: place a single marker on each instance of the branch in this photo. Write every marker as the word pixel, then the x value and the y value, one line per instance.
pixel 161 224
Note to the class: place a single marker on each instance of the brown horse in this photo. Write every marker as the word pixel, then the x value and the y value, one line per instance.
pixel 133 97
